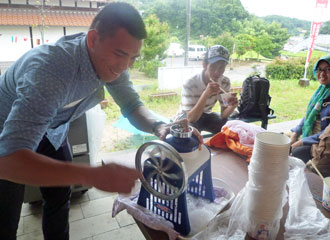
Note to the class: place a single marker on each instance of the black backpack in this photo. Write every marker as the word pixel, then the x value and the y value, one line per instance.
pixel 255 98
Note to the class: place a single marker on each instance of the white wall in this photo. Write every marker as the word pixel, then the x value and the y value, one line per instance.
pixel 73 30
pixel 53 2
pixel 3 1
pixel 173 77
pixel 18 2
pixel 51 34
pixel 14 41
pixel 68 3
pixel 83 4
pixel 94 4
pixel 33 2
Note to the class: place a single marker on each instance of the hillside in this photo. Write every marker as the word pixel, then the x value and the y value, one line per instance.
pixel 295 26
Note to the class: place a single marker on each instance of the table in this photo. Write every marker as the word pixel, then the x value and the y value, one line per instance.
pixel 232 168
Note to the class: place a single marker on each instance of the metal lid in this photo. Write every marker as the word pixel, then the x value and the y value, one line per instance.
pixel 178 131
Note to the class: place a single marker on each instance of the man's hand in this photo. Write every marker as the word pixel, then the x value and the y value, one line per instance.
pixel 296 144
pixel 164 129
pixel 233 101
pixel 113 178
pixel 293 138
pixel 212 88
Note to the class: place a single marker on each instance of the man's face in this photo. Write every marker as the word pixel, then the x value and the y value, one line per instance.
pixel 215 70
pixel 111 56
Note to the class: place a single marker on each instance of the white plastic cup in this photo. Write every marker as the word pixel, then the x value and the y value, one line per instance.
pixel 225 98
pixel 326 193
pixel 268 172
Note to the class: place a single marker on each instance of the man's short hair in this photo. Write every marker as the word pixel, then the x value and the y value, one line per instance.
pixel 117 15
pixel 216 53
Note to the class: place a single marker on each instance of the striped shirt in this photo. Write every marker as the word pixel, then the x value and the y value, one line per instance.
pixel 193 88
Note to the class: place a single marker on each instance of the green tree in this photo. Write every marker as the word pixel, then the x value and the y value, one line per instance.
pixel 258 28
pixel 154 46
pixel 171 11
pixel 325 28
pixel 294 26
pixel 263 45
pixel 213 18
pixel 244 42
pixel 208 17
pixel 225 39
pixel 279 36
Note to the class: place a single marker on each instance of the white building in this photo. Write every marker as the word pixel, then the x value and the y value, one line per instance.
pixel 22 22
pixel 297 44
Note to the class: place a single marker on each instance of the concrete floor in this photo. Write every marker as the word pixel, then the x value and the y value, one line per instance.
pixel 90 219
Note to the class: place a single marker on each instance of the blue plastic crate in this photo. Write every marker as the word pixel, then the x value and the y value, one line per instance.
pixel 199 184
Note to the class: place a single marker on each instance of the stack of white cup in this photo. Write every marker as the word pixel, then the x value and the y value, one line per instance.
pixel 268 172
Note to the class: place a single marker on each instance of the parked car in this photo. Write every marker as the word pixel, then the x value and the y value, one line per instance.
pixel 174 50
pixel 196 52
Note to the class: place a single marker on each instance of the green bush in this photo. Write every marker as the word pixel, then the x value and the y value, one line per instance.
pixel 151 68
pixel 292 68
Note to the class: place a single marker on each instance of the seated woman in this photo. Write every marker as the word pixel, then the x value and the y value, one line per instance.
pixel 317 116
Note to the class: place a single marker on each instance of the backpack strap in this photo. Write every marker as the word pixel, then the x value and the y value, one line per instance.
pixel 263 103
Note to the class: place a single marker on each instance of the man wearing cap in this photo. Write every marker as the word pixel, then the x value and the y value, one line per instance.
pixel 201 92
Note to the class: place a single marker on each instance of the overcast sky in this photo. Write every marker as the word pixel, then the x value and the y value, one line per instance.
pixel 301 9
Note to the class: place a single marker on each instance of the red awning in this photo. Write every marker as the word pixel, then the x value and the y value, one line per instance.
pixel 33 17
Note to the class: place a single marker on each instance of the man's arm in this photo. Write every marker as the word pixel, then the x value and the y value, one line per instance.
pixel 233 102
pixel 196 112
pixel 28 167
pixel 227 111
pixel 144 120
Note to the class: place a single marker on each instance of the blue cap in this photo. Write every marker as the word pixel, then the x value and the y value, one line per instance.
pixel 217 53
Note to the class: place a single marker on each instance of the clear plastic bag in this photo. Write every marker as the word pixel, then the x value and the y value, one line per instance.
pixel 246 132
pixel 95 118
pixel 304 220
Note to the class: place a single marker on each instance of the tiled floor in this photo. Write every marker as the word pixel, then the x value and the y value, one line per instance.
pixel 90 219
pixel 90 215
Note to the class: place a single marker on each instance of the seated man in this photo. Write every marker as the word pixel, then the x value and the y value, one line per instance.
pixel 201 92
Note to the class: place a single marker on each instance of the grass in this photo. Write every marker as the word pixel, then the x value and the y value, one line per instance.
pixel 315 53
pixel 289 100
pixel 166 107
pixel 250 54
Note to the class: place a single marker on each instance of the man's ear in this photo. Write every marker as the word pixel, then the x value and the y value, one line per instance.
pixel 92 37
